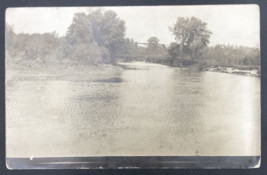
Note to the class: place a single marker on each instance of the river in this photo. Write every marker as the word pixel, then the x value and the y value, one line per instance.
pixel 148 110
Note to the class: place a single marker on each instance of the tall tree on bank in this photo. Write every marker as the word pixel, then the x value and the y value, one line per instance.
pixel 108 31
pixel 100 33
pixel 153 40
pixel 9 36
pixel 152 45
pixel 173 50
pixel 191 34
pixel 80 45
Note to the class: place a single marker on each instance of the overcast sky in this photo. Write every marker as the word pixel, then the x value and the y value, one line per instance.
pixel 230 24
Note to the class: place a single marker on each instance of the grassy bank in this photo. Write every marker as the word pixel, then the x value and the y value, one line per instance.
pixel 60 71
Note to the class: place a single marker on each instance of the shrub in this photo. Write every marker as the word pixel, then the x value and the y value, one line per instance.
pixel 86 53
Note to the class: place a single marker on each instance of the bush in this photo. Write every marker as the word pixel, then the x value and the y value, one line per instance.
pixel 105 55
pixel 86 53
pixel 202 66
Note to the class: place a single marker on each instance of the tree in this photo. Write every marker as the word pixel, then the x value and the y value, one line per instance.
pixel 86 53
pixel 152 45
pixel 99 31
pixel 173 50
pixel 190 33
pixel 80 30
pixel 96 19
pixel 153 40
pixel 80 45
pixel 9 36
pixel 108 31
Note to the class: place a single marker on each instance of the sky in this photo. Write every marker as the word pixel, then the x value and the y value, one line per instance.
pixel 230 24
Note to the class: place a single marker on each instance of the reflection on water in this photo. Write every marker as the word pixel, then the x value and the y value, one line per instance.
pixel 149 110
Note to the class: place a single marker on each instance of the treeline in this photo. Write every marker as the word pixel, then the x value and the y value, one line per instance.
pixel 91 39
pixel 229 55
pixel 223 55
pixel 99 37
pixel 40 47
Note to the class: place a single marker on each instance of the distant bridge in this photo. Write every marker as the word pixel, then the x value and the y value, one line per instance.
pixel 167 60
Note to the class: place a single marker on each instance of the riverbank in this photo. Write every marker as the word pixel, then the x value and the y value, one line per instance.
pixel 61 71
pixel 254 72
pixel 239 70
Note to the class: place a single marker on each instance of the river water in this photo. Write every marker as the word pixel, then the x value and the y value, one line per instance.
pixel 149 109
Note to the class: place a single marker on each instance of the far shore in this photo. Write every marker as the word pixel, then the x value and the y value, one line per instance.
pixel 253 72
pixel 56 71
pixel 103 72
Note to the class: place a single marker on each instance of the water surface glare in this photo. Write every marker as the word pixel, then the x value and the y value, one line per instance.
pixel 150 110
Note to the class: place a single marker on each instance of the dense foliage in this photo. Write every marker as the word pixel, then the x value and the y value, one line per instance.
pixel 99 37
pixel 228 55
pixel 192 38
pixel 91 39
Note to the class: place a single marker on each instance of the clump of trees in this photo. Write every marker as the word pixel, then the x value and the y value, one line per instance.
pixel 91 39
pixel 191 35
pixel 229 55
pixel 192 38
pixel 152 47
pixel 36 46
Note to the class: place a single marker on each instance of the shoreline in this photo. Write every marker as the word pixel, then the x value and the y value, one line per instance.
pixel 245 71
pixel 94 73
pixel 235 71
pixel 55 71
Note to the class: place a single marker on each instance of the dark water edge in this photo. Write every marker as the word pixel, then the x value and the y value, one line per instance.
pixel 133 162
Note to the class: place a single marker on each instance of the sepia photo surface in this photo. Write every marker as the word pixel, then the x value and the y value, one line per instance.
pixel 133 87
